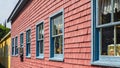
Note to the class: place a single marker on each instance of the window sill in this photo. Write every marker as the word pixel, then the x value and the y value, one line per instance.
pixel 15 55
pixel 40 57
pixel 56 59
pixel 28 56
pixel 106 63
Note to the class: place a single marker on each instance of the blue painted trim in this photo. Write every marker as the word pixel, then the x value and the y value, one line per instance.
pixel 94 34
pixel 39 55
pixel 52 55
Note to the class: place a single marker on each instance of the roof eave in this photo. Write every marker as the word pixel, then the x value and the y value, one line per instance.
pixel 16 10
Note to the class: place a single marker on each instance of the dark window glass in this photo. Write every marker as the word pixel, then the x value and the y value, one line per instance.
pixel 107 40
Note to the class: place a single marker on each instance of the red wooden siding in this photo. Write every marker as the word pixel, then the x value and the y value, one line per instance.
pixel 77 44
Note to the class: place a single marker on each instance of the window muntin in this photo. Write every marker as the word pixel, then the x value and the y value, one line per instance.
pixel 40 40
pixel 16 45
pixel 28 44
pixel 57 36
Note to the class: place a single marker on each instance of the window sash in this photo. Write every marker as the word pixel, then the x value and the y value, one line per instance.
pixel 13 46
pixel 28 42
pixel 112 16
pixel 98 26
pixel 28 49
pixel 40 38
pixel 59 41
pixel 16 45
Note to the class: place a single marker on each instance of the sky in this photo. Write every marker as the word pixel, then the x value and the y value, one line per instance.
pixel 6 7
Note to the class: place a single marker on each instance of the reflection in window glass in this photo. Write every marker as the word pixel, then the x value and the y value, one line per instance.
pixel 40 31
pixel 105 11
pixel 116 10
pixel 58 45
pixel 57 25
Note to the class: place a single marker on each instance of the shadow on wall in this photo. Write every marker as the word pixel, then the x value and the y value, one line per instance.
pixel 1 66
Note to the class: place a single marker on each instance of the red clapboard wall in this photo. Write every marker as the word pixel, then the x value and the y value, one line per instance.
pixel 77 43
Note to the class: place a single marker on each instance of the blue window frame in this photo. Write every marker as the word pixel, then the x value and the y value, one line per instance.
pixel 40 40
pixel 16 45
pixel 106 32
pixel 57 36
pixel 28 43
pixel 13 47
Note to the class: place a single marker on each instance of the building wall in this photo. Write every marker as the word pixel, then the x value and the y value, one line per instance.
pixel 5 51
pixel 77 44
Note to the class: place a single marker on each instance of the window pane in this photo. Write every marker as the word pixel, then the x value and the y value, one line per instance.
pixel 16 45
pixel 116 10
pixel 41 46
pixel 57 25
pixel 28 45
pixel 107 41
pixel 12 50
pixel 28 36
pixel 21 40
pixel 13 42
pixel 58 45
pixel 40 31
pixel 105 11
pixel 118 40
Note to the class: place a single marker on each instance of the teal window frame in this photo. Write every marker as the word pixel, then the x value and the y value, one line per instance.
pixel 53 56
pixel 96 57
pixel 38 54
pixel 28 43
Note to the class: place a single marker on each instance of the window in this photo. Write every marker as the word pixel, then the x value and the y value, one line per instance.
pixel 106 33
pixel 28 39
pixel 21 40
pixel 13 46
pixel 21 44
pixel 57 36
pixel 40 40
pixel 16 45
